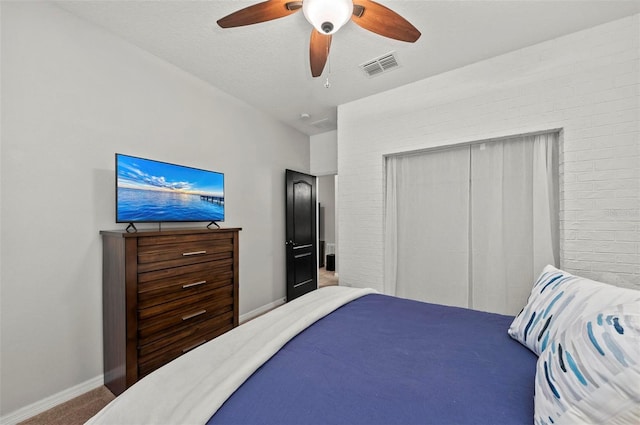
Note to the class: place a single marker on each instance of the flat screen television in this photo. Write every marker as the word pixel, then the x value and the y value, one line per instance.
pixel 154 191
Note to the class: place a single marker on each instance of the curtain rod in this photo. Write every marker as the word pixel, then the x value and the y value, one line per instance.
pixel 471 143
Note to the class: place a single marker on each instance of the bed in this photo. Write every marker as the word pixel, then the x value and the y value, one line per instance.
pixel 343 355
pixel 385 360
pixel 347 356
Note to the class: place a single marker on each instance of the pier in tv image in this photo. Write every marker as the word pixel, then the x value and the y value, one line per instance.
pixel 154 191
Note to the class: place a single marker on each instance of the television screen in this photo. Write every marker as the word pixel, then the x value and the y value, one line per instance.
pixel 154 191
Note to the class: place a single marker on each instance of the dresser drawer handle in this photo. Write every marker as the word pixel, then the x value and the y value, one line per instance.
pixel 186 254
pixel 184 350
pixel 189 285
pixel 192 315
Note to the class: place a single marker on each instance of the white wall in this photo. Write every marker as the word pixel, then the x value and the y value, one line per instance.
pixel 587 83
pixel 324 153
pixel 72 95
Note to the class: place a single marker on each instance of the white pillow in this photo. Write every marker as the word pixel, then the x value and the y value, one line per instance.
pixel 590 373
pixel 559 298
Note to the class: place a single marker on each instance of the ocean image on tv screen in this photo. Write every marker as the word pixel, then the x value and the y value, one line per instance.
pixel 153 191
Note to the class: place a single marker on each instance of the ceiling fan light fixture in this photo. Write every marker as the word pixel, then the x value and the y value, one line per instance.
pixel 327 16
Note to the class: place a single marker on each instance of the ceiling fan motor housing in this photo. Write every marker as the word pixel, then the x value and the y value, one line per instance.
pixel 327 16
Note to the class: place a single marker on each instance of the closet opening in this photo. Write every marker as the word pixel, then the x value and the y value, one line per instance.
pixel 472 225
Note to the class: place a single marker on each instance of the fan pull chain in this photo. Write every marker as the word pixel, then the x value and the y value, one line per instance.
pixel 327 83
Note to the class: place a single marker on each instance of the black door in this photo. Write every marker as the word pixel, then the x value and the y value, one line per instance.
pixel 300 243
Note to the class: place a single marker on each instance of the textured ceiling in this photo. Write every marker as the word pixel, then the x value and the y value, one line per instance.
pixel 267 65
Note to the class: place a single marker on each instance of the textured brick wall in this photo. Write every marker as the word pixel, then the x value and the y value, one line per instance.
pixel 586 83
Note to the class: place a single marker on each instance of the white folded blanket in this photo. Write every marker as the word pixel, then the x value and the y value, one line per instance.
pixel 190 389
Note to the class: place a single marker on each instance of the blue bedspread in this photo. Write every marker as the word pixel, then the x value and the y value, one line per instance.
pixel 386 360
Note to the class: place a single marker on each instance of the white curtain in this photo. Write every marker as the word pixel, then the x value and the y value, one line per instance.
pixel 427 216
pixel 472 226
pixel 512 205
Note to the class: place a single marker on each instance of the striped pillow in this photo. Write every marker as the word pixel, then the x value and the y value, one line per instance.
pixel 559 298
pixel 591 372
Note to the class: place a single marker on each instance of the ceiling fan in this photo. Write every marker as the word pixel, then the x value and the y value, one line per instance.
pixel 327 17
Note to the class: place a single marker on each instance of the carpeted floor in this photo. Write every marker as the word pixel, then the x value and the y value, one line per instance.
pixel 74 412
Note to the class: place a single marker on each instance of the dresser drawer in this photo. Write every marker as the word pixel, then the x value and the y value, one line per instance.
pixel 187 314
pixel 202 279
pixel 189 239
pixel 148 276
pixel 175 345
pixel 170 251
pixel 177 336
pixel 178 306
pixel 181 258
pixel 153 337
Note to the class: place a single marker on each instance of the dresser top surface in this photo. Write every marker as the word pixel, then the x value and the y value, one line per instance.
pixel 167 232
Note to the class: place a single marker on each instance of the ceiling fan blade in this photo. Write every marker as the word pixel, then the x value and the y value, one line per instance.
pixel 318 51
pixel 261 12
pixel 377 18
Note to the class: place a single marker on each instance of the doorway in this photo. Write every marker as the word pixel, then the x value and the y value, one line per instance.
pixel 327 234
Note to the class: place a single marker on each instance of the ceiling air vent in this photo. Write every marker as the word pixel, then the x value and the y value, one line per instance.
pixel 324 124
pixel 380 65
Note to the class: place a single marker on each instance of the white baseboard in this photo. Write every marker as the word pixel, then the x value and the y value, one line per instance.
pixel 51 401
pixel 260 310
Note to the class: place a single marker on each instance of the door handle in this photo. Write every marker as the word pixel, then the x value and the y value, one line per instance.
pixel 292 243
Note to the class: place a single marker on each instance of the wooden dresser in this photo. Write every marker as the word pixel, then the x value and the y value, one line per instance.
pixel 164 293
